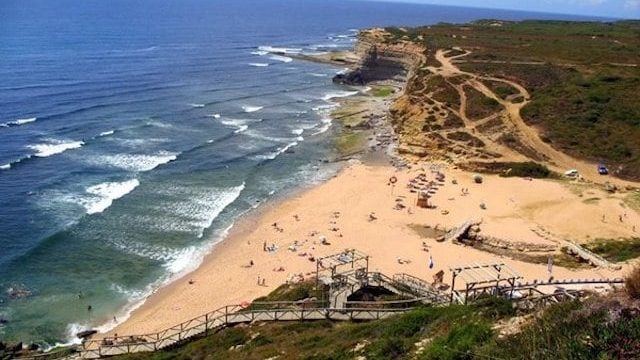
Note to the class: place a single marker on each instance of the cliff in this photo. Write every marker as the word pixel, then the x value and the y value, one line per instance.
pixel 381 60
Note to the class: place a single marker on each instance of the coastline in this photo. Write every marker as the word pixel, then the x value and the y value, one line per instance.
pixel 368 148
pixel 225 276
pixel 338 210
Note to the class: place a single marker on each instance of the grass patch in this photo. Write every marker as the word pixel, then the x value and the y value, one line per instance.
pixel 511 169
pixel 527 169
pixel 478 105
pixel 382 91
pixel 293 292
pixel 351 142
pixel 616 250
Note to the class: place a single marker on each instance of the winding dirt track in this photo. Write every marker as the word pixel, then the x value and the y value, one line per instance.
pixel 529 136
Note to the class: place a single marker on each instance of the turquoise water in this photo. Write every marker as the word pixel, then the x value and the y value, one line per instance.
pixel 134 133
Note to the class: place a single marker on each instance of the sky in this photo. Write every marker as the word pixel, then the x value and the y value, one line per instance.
pixel 629 9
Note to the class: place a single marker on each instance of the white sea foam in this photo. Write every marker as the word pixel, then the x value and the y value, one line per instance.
pixel 322 129
pixel 197 105
pixel 241 128
pixel 53 147
pixel 285 59
pixel 280 50
pixel 135 162
pixel 135 143
pixel 259 64
pixel 24 121
pixel 106 133
pixel 101 196
pixel 159 124
pixel 5 167
pixel 250 109
pixel 338 94
pixel 325 107
pixel 258 135
pixel 194 209
pixel 318 75
pixel 19 122
pixel 297 131
pixel 260 52
pixel 276 153
pixel 215 116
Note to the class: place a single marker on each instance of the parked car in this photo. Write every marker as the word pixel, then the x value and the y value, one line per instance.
pixel 602 170
pixel 571 173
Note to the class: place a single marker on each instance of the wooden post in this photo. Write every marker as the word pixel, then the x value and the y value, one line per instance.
pixel 453 284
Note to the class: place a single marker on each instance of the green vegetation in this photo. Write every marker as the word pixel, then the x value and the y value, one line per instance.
pixel 616 250
pixel 592 115
pixel 293 292
pixel 443 91
pixel 351 142
pixel 382 91
pixel 597 328
pixel 478 105
pixel 511 169
pixel 501 89
pixel 583 78
pixel 527 169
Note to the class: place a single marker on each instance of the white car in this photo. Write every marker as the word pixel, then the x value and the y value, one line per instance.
pixel 571 173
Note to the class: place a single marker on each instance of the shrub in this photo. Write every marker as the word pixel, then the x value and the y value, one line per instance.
pixel 632 283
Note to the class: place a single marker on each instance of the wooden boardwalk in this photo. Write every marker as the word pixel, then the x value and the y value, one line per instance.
pixel 215 321
pixel 421 292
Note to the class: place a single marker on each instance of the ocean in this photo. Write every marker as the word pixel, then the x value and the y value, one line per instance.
pixel 134 132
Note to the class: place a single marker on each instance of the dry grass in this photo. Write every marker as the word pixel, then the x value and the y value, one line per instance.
pixel 632 283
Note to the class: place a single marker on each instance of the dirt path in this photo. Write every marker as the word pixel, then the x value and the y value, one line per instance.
pixel 558 160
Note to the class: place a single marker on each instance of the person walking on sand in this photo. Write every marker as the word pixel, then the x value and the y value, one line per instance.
pixel 431 264
pixel 258 280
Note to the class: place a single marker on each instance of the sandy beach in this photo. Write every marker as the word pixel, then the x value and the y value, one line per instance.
pixel 535 211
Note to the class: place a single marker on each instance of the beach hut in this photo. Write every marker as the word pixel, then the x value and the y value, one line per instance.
pixel 423 199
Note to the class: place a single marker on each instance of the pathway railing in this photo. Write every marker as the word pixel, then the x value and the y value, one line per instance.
pixel 307 310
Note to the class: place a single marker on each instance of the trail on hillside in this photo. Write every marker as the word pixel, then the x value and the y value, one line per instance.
pixel 528 135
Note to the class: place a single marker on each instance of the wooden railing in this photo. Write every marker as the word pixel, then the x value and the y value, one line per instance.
pixel 300 311
pixel 221 318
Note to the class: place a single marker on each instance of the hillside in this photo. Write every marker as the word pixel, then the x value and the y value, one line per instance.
pixel 538 90
pixel 599 327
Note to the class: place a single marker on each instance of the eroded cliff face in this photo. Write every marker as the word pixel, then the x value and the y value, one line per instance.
pixel 428 115
pixel 382 60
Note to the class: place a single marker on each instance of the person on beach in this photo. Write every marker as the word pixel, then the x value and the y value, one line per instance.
pixel 250 263
pixel 258 280
pixel 264 246
pixel 431 264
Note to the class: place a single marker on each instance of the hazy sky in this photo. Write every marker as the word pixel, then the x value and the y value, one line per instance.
pixel 604 8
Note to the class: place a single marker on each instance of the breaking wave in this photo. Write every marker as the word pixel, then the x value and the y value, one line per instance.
pixel 101 196
pixel 53 147
pixel 135 162
pixel 250 109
